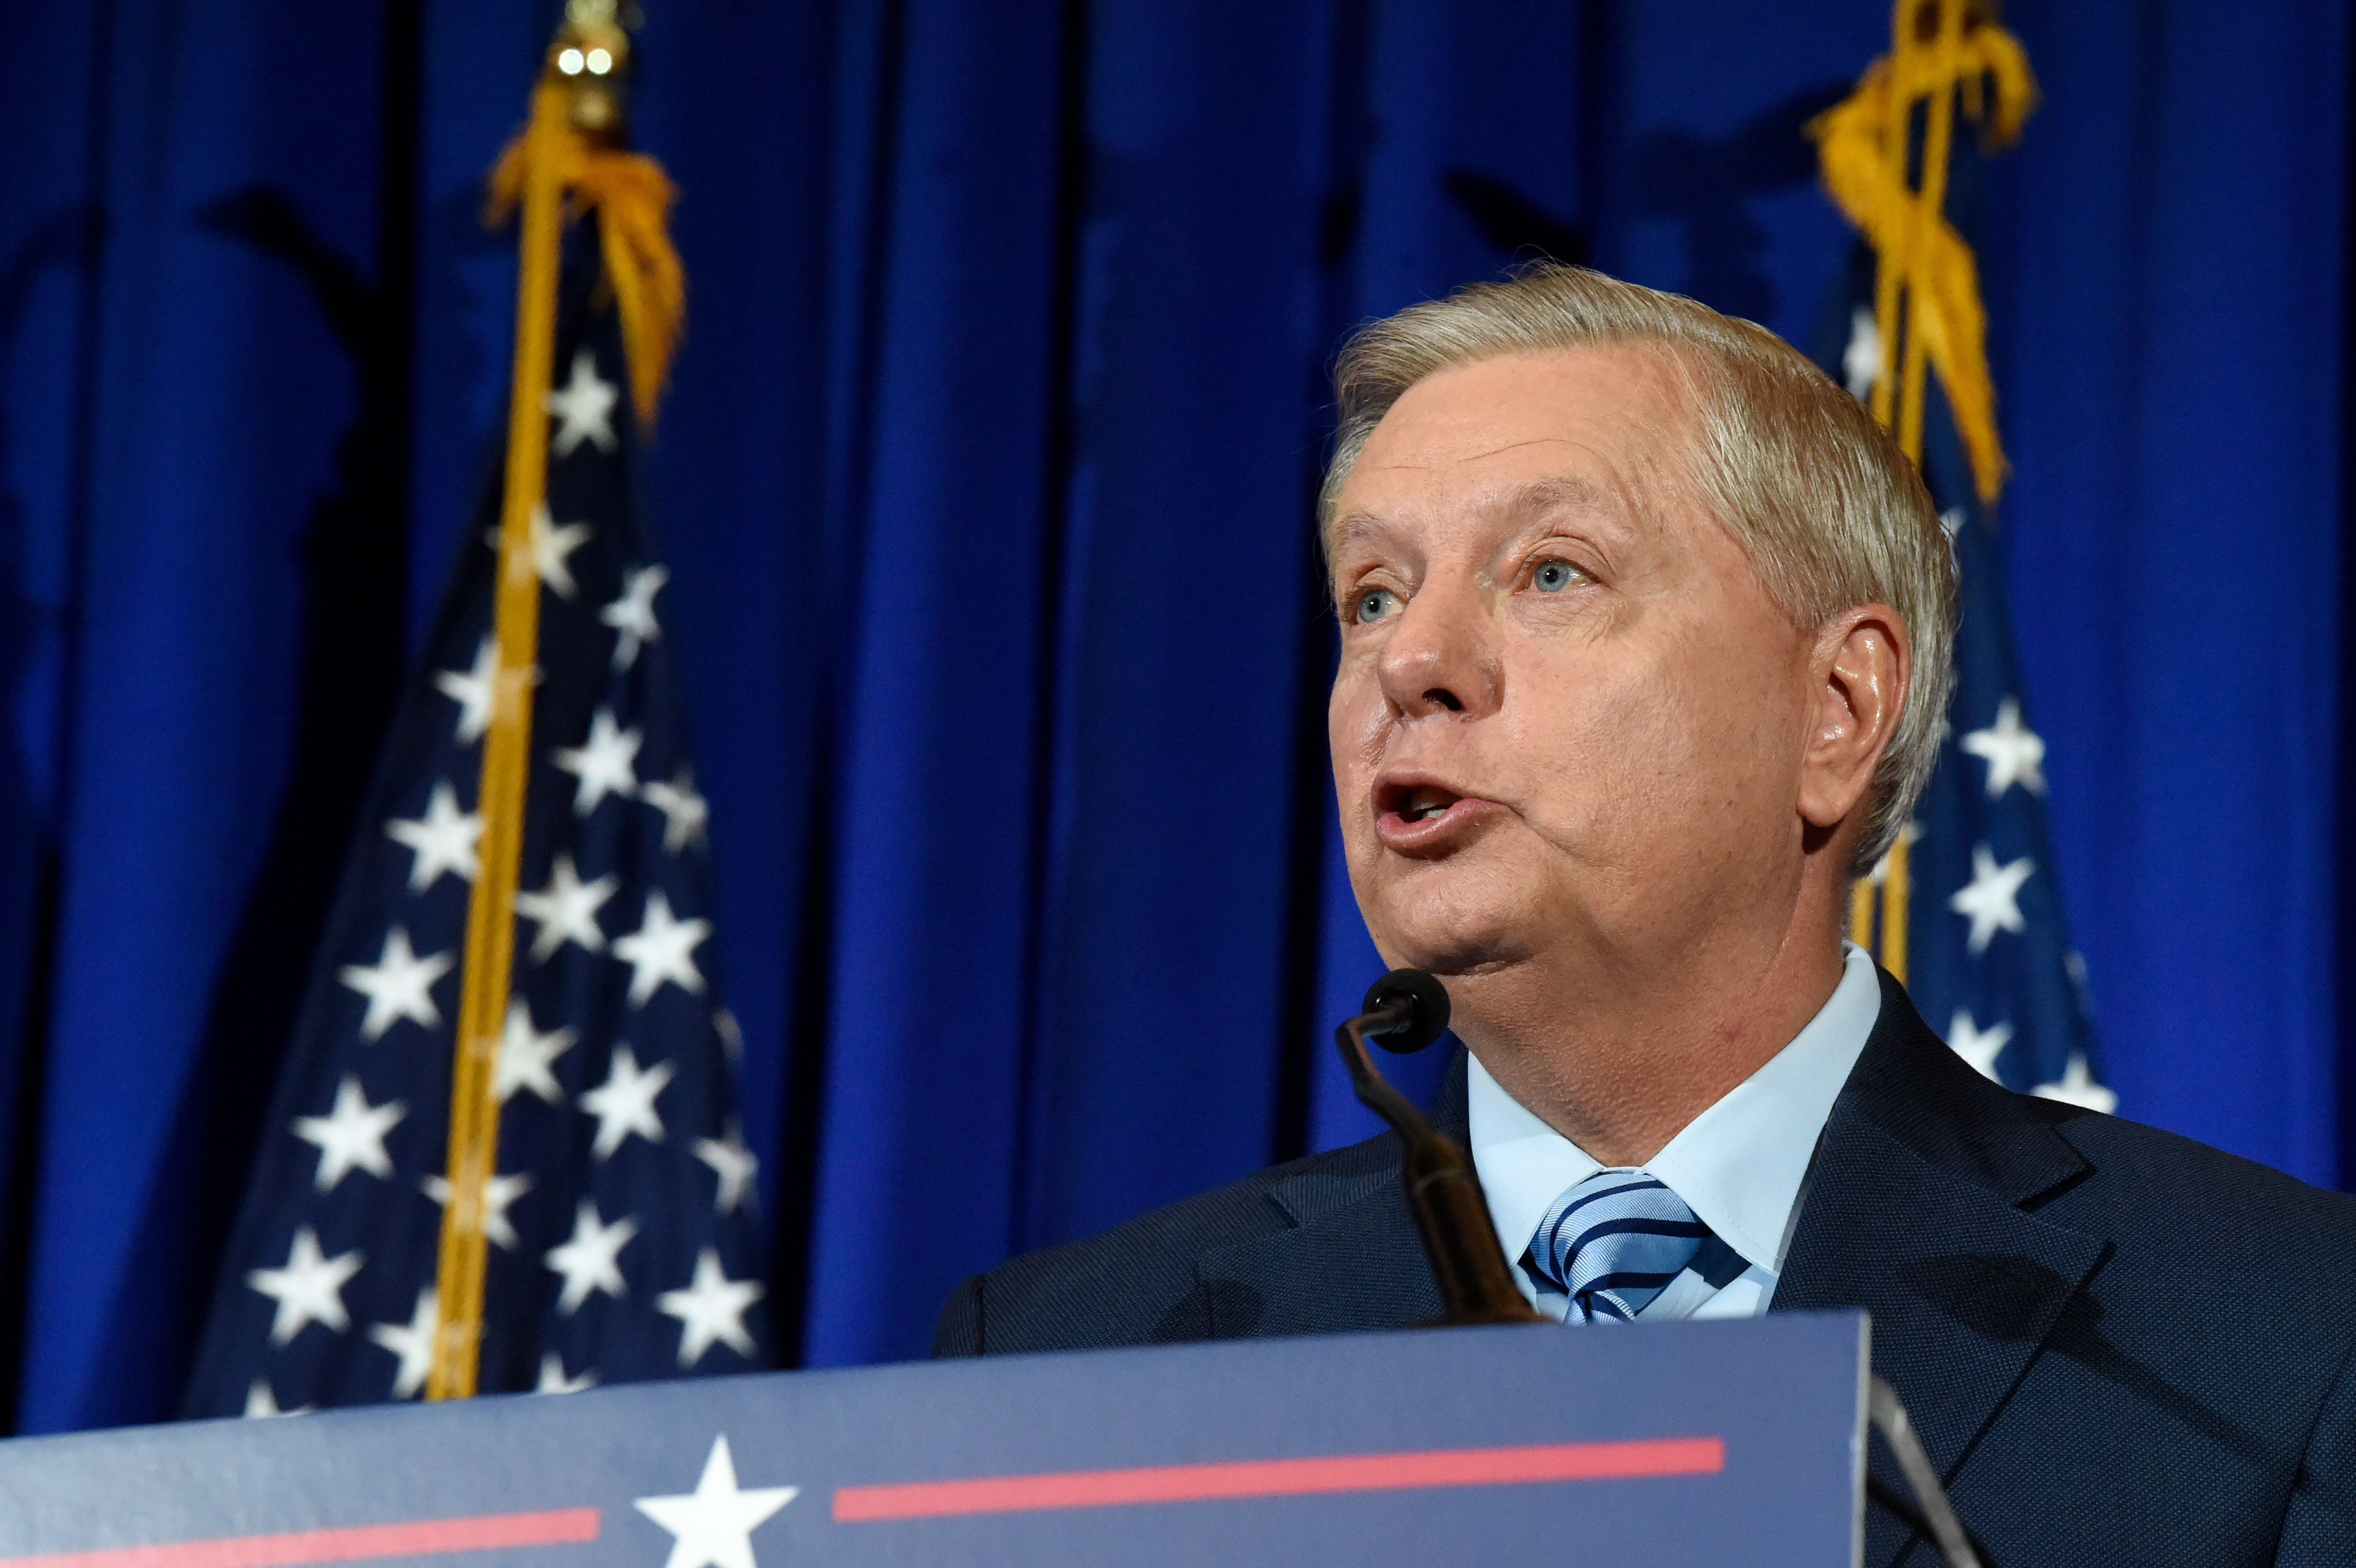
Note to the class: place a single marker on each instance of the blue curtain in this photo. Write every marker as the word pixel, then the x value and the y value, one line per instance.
pixel 986 479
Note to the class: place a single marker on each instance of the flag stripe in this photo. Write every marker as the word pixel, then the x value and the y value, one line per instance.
pixel 1282 1478
pixel 417 1538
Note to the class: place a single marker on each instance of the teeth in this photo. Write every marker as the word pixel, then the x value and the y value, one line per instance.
pixel 1425 803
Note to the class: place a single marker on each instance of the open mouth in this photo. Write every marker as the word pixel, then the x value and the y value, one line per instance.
pixel 1409 808
pixel 1425 802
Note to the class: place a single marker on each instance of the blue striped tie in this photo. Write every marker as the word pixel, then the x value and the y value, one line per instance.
pixel 1612 1243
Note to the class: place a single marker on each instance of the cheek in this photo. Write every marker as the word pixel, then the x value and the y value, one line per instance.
pixel 1646 745
pixel 1356 719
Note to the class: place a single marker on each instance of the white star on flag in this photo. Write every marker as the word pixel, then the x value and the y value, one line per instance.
pixel 525 1056
pixel 684 811
pixel 309 1289
pixel 606 764
pixel 662 948
pixel 553 1381
pixel 547 552
pixel 633 615
pixel 733 1163
pixel 412 1341
pixel 2014 752
pixel 583 408
pixel 2078 1088
pixel 590 1260
pixel 1980 1047
pixel 441 840
pixel 1991 900
pixel 1861 361
pixel 351 1135
pixel 471 691
pixel 499 1194
pixel 566 909
pixel 400 985
pixel 260 1403
pixel 711 1308
pixel 712 1526
pixel 625 1102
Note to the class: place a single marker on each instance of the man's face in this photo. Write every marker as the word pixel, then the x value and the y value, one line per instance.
pixel 1570 723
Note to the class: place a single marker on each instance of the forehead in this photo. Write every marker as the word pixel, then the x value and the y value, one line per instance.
pixel 1585 426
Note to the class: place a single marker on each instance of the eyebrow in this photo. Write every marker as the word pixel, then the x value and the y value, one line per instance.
pixel 1562 493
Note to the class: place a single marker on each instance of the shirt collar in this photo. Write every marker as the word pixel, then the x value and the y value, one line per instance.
pixel 1738 1165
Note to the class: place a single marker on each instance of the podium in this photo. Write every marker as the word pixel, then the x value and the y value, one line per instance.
pixel 1705 1443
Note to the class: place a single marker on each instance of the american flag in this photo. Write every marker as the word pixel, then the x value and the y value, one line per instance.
pixel 625 1243
pixel 1989 961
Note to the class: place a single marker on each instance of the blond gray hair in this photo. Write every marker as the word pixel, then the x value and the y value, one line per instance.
pixel 1830 510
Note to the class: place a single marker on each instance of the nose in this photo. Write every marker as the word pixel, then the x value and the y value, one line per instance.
pixel 1441 657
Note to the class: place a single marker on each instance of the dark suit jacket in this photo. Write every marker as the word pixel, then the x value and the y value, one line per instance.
pixel 2119 1347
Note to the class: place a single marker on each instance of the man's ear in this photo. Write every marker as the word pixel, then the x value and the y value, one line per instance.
pixel 1857 680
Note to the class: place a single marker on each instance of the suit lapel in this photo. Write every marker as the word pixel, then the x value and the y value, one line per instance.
pixel 1350 1259
pixel 1914 1211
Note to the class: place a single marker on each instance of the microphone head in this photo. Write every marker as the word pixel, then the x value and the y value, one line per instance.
pixel 1426 1009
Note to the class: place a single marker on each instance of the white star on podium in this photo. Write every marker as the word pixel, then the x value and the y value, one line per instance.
pixel 712 1525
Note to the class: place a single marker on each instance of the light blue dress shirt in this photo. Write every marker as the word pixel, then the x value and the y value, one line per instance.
pixel 1739 1166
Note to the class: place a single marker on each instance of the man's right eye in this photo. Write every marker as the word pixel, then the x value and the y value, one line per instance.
pixel 1374 605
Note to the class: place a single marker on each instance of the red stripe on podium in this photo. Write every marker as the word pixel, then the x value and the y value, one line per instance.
pixel 419 1538
pixel 1283 1477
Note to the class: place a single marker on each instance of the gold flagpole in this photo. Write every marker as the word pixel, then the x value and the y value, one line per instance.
pixel 563 153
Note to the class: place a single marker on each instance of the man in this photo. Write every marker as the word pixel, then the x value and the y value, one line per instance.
pixel 1645 630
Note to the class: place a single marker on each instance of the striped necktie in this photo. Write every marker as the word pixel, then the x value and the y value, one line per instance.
pixel 1613 1243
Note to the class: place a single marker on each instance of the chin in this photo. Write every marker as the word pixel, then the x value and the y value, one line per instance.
pixel 1452 929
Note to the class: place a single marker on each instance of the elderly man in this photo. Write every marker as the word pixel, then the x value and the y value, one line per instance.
pixel 1645 630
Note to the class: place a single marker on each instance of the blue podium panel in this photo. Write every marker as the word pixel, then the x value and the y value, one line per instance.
pixel 1671 1445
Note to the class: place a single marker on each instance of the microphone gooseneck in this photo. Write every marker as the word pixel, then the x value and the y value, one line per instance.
pixel 1405 1010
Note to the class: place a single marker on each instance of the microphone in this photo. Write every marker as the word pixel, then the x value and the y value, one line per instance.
pixel 1405 1011
pixel 1419 1004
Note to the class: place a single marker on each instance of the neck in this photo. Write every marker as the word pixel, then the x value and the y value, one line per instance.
pixel 1619 1049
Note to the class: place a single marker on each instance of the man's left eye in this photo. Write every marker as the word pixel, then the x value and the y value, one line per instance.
pixel 1554 576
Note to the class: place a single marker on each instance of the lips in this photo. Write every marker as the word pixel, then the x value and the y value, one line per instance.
pixel 1423 814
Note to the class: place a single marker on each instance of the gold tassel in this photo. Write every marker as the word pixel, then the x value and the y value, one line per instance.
pixel 632 198
pixel 1861 143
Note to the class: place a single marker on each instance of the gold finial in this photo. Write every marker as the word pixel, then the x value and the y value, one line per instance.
pixel 590 57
